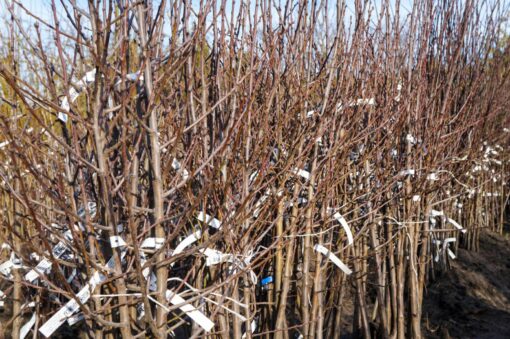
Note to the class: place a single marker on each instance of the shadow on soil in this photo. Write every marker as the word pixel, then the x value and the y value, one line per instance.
pixel 472 300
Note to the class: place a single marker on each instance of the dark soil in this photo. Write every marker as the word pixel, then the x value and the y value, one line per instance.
pixel 472 299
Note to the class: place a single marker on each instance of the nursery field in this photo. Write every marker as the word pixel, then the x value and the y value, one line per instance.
pixel 254 169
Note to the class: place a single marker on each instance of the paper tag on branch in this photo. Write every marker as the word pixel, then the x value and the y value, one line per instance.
pixel 117 241
pixel 5 269
pixel 302 173
pixel 190 311
pixel 456 225
pixel 411 139
pixel 190 239
pixel 253 328
pixel 65 312
pixel 44 266
pixel 331 256
pixel 213 222
pixel 451 254
pixel 27 327
pixel 61 316
pixel 176 165
pixel 435 213
pixel 345 226
pixel 153 243
pixel 75 319
pixel 214 257
pixel 432 177
pixel 407 172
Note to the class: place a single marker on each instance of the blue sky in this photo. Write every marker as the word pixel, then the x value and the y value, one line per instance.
pixel 42 8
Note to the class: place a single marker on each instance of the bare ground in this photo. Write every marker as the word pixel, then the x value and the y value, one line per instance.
pixel 472 299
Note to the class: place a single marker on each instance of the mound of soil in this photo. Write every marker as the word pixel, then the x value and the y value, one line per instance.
pixel 472 299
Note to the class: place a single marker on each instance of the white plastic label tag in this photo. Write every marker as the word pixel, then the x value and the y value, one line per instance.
pixel 331 256
pixel 117 241
pixel 345 226
pixel 213 222
pixel 191 311
pixel 155 243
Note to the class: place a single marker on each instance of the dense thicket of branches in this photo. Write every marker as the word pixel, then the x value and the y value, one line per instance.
pixel 293 124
